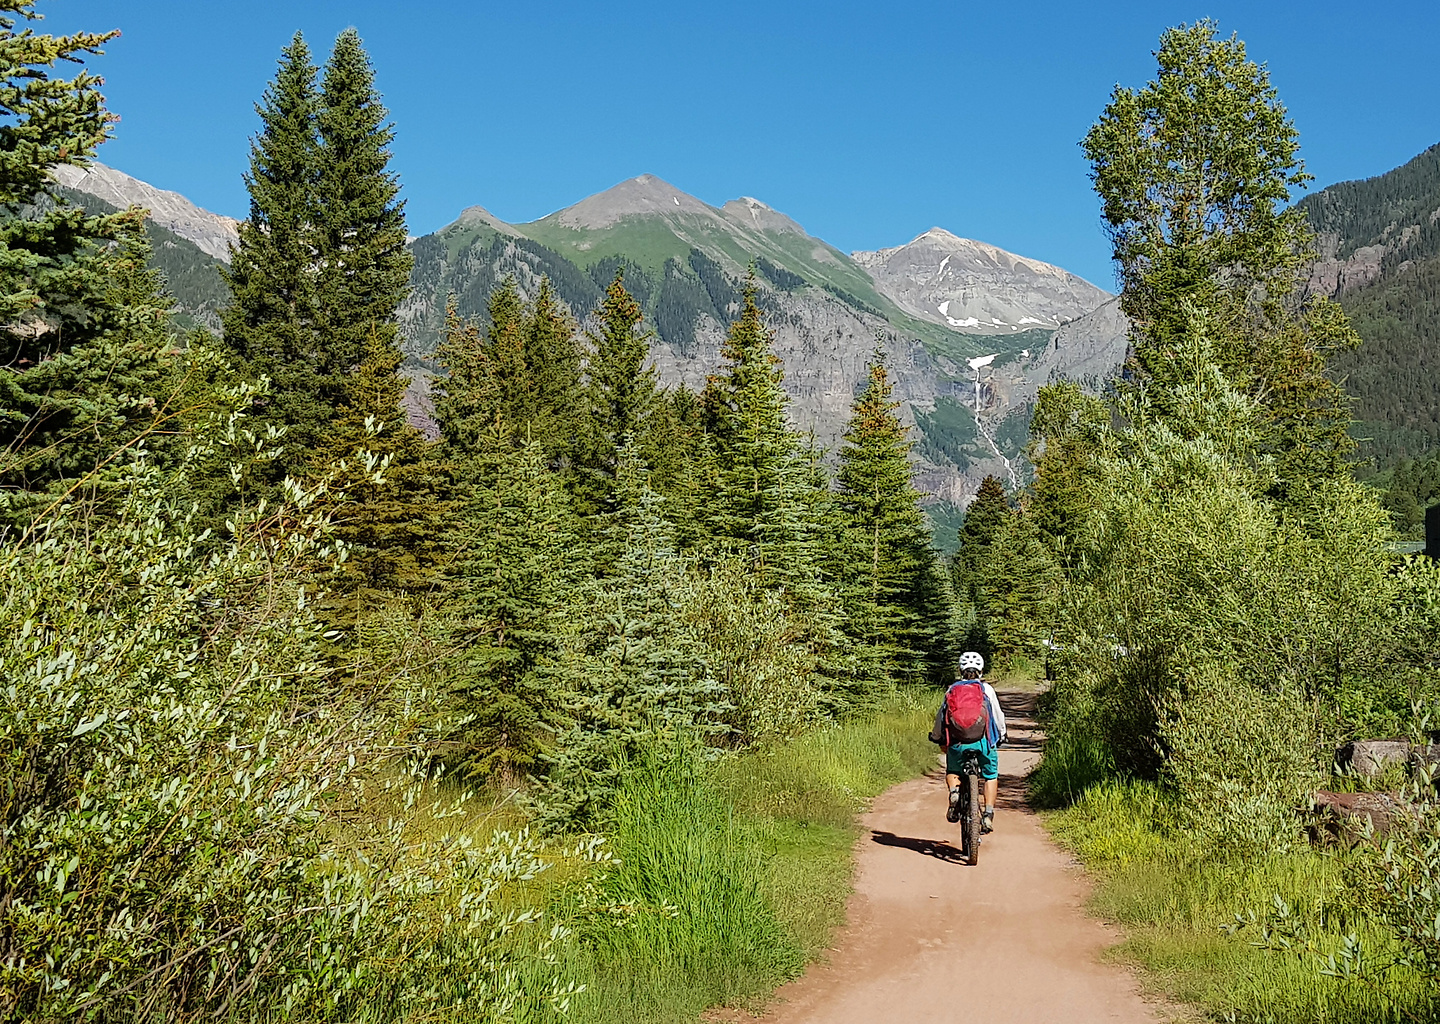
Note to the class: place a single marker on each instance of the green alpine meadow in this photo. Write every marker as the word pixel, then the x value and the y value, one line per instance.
pixel 492 626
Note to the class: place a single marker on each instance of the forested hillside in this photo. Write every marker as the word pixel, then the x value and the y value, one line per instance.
pixel 1380 257
pixel 192 277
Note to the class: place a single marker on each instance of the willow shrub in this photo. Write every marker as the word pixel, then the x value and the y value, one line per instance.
pixel 1206 627
pixel 172 752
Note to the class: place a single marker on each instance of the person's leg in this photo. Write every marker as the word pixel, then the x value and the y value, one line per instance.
pixel 952 783
pixel 990 769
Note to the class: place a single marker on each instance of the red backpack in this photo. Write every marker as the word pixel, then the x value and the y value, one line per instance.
pixel 967 718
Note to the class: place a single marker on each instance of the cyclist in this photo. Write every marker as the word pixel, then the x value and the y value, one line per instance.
pixel 971 667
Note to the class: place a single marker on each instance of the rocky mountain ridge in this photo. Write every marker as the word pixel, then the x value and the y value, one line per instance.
pixel 212 233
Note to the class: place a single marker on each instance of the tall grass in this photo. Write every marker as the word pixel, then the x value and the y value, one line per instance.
pixel 728 877
pixel 1244 939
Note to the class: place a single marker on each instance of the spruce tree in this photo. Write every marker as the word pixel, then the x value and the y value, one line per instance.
pixel 641 679
pixel 984 519
pixel 1017 581
pixel 552 357
pixel 362 264
pixel 488 379
pixel 887 542
pixel 84 323
pixel 321 264
pixel 756 500
pixel 623 390
pixel 271 322
pixel 1064 435
pixel 387 483
pixel 514 568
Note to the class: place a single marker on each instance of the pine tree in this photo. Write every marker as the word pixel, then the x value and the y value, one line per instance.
pixel 363 265
pixel 388 485
pixel 509 609
pixel 623 391
pixel 84 323
pixel 887 541
pixel 270 322
pixel 756 501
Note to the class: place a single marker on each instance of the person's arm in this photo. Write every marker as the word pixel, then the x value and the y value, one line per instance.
pixel 937 734
pixel 997 713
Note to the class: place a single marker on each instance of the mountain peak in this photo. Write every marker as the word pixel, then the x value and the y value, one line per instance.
pixel 973 286
pixel 643 196
pixel 479 215
pixel 752 213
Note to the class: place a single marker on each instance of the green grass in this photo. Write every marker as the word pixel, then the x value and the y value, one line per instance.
pixel 1179 913
pixel 735 875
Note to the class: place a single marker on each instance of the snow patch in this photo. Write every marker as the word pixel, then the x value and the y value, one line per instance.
pixel 944 307
pixel 941 272
pixel 1029 320
pixel 969 321
pixel 677 200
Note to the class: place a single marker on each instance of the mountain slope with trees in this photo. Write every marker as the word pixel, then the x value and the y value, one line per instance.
pixel 1380 259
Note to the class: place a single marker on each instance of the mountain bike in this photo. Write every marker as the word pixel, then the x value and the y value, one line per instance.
pixel 970 807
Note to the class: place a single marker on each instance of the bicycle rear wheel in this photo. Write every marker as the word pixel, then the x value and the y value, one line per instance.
pixel 972 820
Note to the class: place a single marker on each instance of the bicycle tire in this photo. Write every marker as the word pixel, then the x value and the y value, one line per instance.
pixel 972 820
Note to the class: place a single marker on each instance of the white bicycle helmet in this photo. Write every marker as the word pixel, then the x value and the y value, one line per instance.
pixel 971 659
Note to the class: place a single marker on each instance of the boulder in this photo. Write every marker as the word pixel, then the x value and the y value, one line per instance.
pixel 1372 757
pixel 1342 816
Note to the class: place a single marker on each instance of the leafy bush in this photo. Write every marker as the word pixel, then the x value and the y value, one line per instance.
pixel 174 752
pixel 1242 762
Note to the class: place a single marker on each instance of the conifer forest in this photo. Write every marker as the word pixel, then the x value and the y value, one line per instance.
pixel 565 712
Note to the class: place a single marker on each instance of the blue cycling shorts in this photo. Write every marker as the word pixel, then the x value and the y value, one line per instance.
pixel 989 758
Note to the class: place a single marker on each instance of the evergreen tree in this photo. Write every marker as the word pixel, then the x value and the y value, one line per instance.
pixel 984 519
pixel 523 372
pixel 552 357
pixel 1016 594
pixel 511 584
pixel 271 319
pixel 641 679
pixel 84 323
pixel 486 380
pixel 321 264
pixel 756 502
pixel 363 266
pixel 389 507
pixel 1064 433
pixel 624 393
pixel 887 541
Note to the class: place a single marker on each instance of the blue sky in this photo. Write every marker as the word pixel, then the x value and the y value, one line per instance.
pixel 866 122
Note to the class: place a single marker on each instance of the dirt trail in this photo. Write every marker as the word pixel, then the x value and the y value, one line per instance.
pixel 930 940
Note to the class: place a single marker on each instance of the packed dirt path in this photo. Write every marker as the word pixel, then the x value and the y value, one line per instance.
pixel 930 940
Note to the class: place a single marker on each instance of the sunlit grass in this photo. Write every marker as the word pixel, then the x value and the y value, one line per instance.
pixel 1179 913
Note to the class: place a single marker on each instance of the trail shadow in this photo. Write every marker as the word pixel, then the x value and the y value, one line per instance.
pixel 939 849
